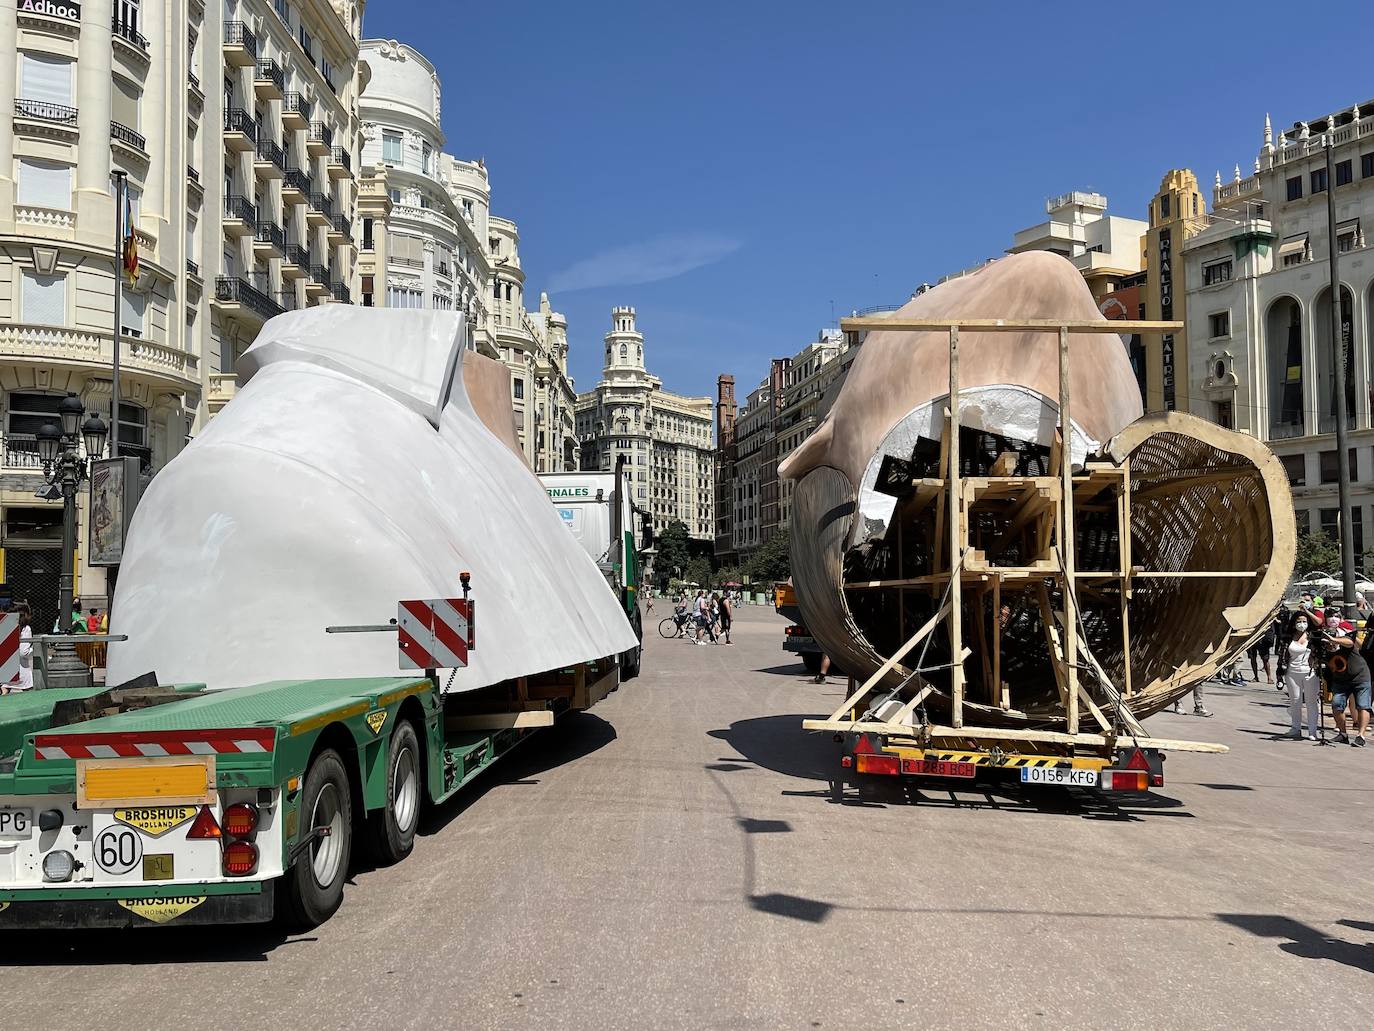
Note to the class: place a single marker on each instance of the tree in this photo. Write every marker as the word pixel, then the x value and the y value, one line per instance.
pixel 773 561
pixel 698 571
pixel 1316 552
pixel 729 575
pixel 673 553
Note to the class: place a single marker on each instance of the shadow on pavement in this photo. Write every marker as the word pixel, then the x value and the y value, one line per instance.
pixel 794 669
pixel 575 735
pixel 1307 942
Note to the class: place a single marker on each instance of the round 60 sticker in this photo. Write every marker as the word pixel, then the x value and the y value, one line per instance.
pixel 118 849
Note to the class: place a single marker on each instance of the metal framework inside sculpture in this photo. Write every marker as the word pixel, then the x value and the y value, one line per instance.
pixel 1093 588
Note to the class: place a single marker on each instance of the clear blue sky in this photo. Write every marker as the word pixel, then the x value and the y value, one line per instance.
pixel 731 169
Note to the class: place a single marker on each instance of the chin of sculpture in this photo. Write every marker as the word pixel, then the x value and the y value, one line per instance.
pixel 368 458
pixel 1188 527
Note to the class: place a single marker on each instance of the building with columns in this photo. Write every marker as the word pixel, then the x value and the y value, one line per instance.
pixel 664 437
pixel 1257 279
pixel 236 131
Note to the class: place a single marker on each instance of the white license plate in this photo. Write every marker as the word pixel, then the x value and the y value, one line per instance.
pixel 15 824
pixel 1053 775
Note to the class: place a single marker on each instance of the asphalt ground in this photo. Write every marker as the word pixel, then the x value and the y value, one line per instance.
pixel 673 859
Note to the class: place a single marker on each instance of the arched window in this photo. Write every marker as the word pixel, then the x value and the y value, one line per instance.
pixel 1326 372
pixel 1283 340
pixel 624 351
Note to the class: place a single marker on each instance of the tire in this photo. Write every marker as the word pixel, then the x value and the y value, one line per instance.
pixel 667 627
pixel 314 885
pixel 391 832
pixel 630 662
pixel 812 662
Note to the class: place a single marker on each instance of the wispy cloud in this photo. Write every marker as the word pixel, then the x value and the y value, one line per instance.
pixel 663 257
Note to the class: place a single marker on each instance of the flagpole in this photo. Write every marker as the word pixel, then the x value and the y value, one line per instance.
pixel 121 188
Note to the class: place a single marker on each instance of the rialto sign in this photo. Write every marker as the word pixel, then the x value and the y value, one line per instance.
pixel 67 10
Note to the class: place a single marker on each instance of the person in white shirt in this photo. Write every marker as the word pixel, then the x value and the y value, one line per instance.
pixel 1295 670
pixel 23 680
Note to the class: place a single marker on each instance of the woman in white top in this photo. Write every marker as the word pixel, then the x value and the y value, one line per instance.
pixel 23 680
pixel 1295 667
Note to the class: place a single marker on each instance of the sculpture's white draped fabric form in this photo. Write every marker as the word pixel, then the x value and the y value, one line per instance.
pixel 349 473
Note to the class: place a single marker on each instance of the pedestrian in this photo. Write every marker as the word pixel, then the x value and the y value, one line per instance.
pixel 23 680
pixel 1259 654
pixel 1361 608
pixel 93 621
pixel 1296 672
pixel 699 616
pixel 649 598
pixel 1347 674
pixel 680 615
pixel 1198 708
pixel 727 616
pixel 824 670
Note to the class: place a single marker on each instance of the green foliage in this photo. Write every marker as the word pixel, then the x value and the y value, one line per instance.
pixel 729 574
pixel 1317 551
pixel 673 553
pixel 771 562
pixel 698 571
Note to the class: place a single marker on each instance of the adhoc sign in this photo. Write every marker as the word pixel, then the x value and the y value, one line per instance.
pixel 1166 313
pixel 67 10
pixel 114 493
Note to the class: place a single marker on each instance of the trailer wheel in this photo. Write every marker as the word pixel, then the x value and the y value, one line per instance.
pixel 391 831
pixel 629 664
pixel 314 885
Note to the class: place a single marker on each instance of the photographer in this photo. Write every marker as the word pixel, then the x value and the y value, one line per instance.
pixel 1347 673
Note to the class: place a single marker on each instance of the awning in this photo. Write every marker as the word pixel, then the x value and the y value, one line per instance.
pixel 1349 226
pixel 1293 245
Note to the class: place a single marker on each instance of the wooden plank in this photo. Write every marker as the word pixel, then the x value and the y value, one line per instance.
pixel 980 634
pixel 939 543
pixel 1197 574
pixel 1128 718
pixel 1005 465
pixel 500 720
pixel 1003 697
pixel 1066 532
pixel 926 628
pixel 955 495
pixel 860 323
pixel 1123 520
pixel 1042 598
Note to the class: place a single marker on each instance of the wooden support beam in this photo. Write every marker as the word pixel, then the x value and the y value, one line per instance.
pixel 999 734
pixel 955 494
pixel 1005 465
pixel 1123 517
pixel 857 696
pixel 1042 598
pixel 1061 326
pixel 1066 530
pixel 980 634
pixel 500 720
pixel 1003 698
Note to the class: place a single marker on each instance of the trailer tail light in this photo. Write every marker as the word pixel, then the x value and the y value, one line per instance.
pixel 205 825
pixel 888 765
pixel 240 820
pixel 847 761
pixel 1126 780
pixel 240 857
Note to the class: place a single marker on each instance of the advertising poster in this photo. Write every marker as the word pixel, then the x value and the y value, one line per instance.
pixel 110 509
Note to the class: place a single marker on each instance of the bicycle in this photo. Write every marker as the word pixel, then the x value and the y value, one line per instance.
pixel 671 626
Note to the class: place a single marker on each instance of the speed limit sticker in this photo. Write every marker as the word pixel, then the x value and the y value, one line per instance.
pixel 118 849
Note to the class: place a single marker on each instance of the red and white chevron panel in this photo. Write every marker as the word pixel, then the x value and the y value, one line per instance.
pixel 435 633
pixel 9 648
pixel 142 744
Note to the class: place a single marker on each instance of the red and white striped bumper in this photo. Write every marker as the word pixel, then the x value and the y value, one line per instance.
pixel 155 743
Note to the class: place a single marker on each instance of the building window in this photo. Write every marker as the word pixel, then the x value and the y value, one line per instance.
pixel 427 158
pixel 1164 207
pixel 391 147
pixel 307 44
pixel 1366 165
pixel 367 282
pixel 45 184
pixel 133 307
pixel 1296 468
pixel 1220 323
pixel 327 71
pixel 1330 472
pixel 1346 235
pixel 25 415
pixel 283 10
pixel 44 299
pixel 519 385
pixel 1344 172
pixel 1225 417
pixel 1318 178
pixel 1295 188
pixel 46 79
pixel 394 195
pixel 1217 272
pixel 402 297
pixel 367 234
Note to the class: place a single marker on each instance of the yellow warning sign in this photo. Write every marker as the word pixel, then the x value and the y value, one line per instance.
pixel 376 720
pixel 160 911
pixel 156 820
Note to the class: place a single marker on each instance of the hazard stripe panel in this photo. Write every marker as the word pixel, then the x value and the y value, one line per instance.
pixel 9 648
pixel 1003 761
pixel 433 634
pixel 142 744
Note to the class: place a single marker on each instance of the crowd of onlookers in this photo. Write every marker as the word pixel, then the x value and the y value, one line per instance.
pixel 1314 646
pixel 92 653
pixel 706 618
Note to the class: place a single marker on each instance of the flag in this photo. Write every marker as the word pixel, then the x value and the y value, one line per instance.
pixel 130 242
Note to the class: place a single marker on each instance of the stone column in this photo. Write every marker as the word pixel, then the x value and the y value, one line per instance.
pixel 9 76
pixel 162 142
pixel 94 86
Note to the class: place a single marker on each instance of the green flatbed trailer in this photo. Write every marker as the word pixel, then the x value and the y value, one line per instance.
pixel 235 806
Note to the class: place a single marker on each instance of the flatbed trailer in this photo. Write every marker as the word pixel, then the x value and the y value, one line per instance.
pixel 146 805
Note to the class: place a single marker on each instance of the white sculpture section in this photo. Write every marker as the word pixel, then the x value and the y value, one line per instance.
pixel 350 473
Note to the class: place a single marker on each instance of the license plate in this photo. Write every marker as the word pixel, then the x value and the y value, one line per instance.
pixel 1054 775
pixel 15 824
pixel 938 768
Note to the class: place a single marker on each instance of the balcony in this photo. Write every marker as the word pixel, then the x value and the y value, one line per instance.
pixel 340 229
pixel 340 164
pixel 192 269
pixel 340 293
pixel 195 192
pixel 287 300
pixel 240 130
pixel 129 41
pixel 124 138
pixel 270 162
pixel 320 139
pixel 296 187
pixel 441 269
pixel 195 96
pixel 318 283
pixel 238 298
pixel 269 241
pixel 223 387
pixel 295 111
pixel 269 83
pixel 297 263
pixel 40 118
pixel 240 216
pixel 321 211
pixel 21 451
pixel 240 45
pixel 96 350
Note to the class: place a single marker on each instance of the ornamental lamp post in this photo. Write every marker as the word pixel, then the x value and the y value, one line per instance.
pixel 59 448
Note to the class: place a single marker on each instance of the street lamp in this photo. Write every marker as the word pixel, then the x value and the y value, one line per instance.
pixel 59 448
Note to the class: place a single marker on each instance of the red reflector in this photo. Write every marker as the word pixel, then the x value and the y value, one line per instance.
pixel 1156 780
pixel 205 825
pixel 240 820
pixel 886 764
pixel 846 761
pixel 1138 761
pixel 240 857
pixel 865 745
